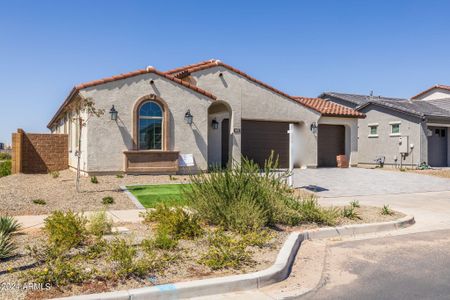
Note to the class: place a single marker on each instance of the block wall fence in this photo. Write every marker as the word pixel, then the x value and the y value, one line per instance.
pixel 34 153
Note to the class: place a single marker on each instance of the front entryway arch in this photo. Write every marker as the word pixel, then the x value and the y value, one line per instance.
pixel 219 134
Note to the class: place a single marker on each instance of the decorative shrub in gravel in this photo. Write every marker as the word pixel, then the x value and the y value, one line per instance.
pixel 245 198
pixel 94 179
pixel 108 200
pixel 5 168
pixel 8 225
pixel 39 202
pixel 54 174
pixel 65 230
pixel 99 224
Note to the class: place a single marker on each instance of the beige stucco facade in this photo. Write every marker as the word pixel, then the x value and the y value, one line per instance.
pixel 238 98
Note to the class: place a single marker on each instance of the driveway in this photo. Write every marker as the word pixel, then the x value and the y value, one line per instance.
pixel 413 266
pixel 334 182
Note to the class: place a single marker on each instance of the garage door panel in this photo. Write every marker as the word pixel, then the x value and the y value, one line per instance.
pixel 259 138
pixel 331 142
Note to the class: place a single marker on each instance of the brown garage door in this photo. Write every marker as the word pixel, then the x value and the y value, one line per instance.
pixel 331 142
pixel 259 138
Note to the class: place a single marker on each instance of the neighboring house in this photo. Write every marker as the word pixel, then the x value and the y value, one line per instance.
pixel 199 116
pixel 402 131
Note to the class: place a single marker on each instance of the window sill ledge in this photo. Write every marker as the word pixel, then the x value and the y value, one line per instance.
pixel 372 136
pixel 395 134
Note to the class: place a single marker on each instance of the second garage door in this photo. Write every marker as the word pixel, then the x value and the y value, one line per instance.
pixel 259 138
pixel 331 142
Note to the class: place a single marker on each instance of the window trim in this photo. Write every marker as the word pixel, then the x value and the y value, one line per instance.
pixel 394 134
pixel 165 122
pixel 373 135
pixel 139 118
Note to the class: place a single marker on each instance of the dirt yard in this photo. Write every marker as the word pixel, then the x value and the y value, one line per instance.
pixel 17 192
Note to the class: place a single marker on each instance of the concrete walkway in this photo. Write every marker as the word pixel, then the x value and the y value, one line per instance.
pixel 128 216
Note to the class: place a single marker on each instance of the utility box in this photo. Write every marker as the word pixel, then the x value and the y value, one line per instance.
pixel 403 145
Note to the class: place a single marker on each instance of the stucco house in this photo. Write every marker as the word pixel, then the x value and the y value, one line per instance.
pixel 197 116
pixel 402 131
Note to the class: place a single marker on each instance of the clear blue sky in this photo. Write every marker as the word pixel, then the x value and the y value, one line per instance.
pixel 395 48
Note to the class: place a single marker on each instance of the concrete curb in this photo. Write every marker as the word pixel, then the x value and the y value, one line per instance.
pixel 277 272
pixel 132 197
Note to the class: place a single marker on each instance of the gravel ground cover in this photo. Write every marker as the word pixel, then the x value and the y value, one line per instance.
pixel 185 264
pixel 17 192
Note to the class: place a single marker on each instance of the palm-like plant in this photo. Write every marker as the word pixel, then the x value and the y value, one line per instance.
pixel 6 245
pixel 8 225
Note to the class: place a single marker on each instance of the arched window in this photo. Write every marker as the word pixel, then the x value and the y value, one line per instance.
pixel 150 126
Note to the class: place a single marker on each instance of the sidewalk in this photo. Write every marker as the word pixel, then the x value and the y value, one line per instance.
pixel 129 216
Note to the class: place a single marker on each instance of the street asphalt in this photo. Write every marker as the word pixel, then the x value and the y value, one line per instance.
pixel 413 266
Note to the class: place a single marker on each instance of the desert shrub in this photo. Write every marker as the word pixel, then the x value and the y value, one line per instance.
pixel 65 230
pixel 54 174
pixel 7 245
pixel 386 210
pixel 257 239
pixel 99 224
pixel 226 251
pixel 163 240
pixel 5 168
pixel 94 179
pixel 108 200
pixel 8 225
pixel 39 201
pixel 96 249
pixel 122 254
pixel 309 211
pixel 241 198
pixel 176 222
pixel 58 272
pixel 350 213
pixel 355 204
pixel 119 176
pixel 5 156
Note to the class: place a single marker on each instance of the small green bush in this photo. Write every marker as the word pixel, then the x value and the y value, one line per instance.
pixel 54 174
pixel 119 176
pixel 65 230
pixel 310 211
pixel 5 168
pixel 176 222
pixel 350 213
pixel 94 179
pixel 9 225
pixel 355 204
pixel 39 202
pixel 163 240
pixel 122 254
pixel 5 156
pixel 58 272
pixel 99 224
pixel 7 245
pixel 257 239
pixel 96 249
pixel 386 210
pixel 108 200
pixel 226 251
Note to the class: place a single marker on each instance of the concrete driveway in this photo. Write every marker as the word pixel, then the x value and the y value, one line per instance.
pixel 334 182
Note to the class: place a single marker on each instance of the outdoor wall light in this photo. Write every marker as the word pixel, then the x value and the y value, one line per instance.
pixel 215 124
pixel 188 117
pixel 313 128
pixel 113 112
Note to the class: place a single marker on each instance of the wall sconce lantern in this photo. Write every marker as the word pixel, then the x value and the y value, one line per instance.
pixel 113 112
pixel 313 128
pixel 215 124
pixel 188 117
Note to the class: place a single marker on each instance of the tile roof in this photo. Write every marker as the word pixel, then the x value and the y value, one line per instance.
pixel 187 70
pixel 358 99
pixel 437 86
pixel 328 108
pixel 81 86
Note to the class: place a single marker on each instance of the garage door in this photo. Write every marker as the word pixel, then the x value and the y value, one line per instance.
pixel 259 138
pixel 331 142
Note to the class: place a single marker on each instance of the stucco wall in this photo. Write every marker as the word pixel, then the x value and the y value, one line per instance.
pixel 106 139
pixel 386 144
pixel 351 136
pixel 249 100
pixel 434 94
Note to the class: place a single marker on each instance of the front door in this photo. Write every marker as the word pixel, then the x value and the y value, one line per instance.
pixel 437 147
pixel 225 142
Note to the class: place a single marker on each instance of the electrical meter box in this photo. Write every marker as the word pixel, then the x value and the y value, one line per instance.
pixel 403 145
